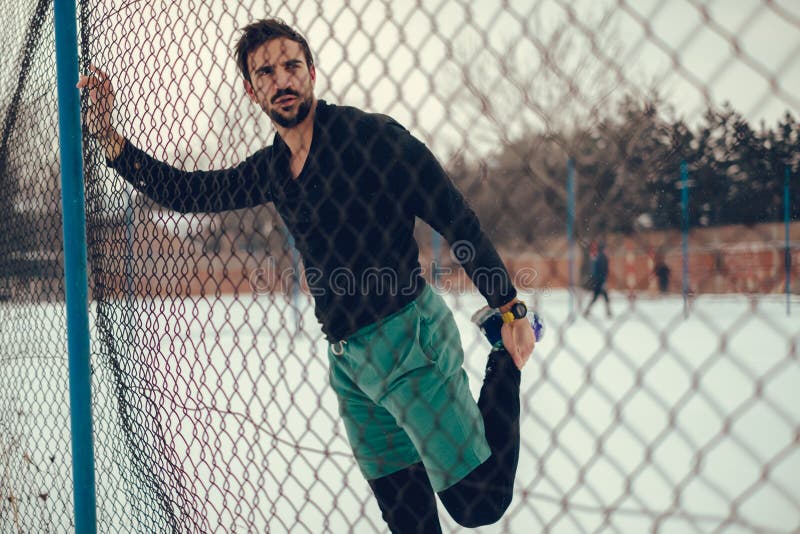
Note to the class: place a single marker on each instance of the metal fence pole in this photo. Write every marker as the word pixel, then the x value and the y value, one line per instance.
pixel 436 253
pixel 76 289
pixel 685 234
pixel 787 260
pixel 570 233
pixel 296 288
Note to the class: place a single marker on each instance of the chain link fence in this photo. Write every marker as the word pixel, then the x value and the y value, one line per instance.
pixel 35 458
pixel 673 407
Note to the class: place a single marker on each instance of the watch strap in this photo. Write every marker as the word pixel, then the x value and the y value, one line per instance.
pixel 517 310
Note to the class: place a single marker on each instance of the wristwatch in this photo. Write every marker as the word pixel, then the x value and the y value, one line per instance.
pixel 518 310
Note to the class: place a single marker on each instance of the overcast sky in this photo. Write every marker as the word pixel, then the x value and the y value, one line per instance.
pixel 425 61
pixel 732 50
pixel 697 52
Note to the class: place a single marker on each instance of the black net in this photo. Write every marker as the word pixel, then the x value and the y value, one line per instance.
pixel 35 458
pixel 634 164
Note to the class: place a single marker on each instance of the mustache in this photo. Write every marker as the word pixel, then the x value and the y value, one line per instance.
pixel 285 92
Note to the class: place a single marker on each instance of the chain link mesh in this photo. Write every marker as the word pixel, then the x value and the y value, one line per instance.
pixel 673 409
pixel 35 459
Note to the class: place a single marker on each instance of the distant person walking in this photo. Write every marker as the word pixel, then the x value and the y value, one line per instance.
pixel 598 279
pixel 662 272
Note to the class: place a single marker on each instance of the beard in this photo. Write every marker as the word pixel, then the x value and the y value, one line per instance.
pixel 289 122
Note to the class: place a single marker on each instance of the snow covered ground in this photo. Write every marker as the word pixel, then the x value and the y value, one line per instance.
pixel 647 421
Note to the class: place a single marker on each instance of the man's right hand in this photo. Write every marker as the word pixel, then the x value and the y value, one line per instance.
pixel 98 114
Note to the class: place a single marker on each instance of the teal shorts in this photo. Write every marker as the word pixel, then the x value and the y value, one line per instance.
pixel 404 396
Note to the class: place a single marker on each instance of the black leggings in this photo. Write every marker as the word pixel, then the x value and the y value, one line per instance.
pixel 599 290
pixel 406 498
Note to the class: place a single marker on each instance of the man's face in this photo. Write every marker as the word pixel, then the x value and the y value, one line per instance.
pixel 282 83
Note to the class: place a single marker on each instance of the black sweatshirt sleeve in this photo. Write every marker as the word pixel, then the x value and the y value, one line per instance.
pixel 242 186
pixel 433 197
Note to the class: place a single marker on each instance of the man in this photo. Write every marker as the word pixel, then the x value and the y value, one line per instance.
pixel 349 185
pixel 662 271
pixel 599 277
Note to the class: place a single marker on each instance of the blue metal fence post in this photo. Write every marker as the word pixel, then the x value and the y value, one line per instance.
pixel 296 288
pixel 787 259
pixel 76 288
pixel 685 233
pixel 436 252
pixel 570 233
pixel 130 233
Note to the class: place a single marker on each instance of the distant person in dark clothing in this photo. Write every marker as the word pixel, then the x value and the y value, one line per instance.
pixel 661 271
pixel 599 278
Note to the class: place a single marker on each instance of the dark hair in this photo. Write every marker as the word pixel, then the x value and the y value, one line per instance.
pixel 259 32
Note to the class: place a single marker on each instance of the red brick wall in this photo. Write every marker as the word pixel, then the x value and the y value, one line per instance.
pixel 731 259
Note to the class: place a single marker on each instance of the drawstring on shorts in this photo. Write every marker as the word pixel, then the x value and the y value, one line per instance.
pixel 338 347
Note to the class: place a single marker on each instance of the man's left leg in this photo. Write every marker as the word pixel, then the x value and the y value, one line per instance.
pixel 482 497
pixel 608 304
pixel 410 370
pixel 475 489
pixel 595 293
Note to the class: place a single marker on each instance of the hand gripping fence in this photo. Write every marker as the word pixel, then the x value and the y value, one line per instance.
pixel 640 154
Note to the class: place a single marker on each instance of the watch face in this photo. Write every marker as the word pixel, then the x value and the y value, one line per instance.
pixel 519 310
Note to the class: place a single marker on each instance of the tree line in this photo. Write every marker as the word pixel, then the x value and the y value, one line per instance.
pixel 627 168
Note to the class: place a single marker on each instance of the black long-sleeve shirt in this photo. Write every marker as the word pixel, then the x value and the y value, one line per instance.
pixel 351 212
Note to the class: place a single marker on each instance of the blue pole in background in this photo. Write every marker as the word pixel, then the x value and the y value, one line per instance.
pixel 436 251
pixel 130 232
pixel 685 232
pixel 787 260
pixel 570 233
pixel 295 281
pixel 76 289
